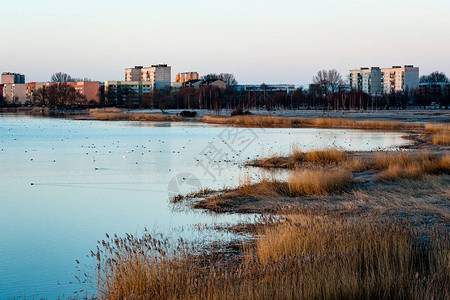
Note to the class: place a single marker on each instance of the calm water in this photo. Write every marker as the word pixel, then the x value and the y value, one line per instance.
pixel 65 183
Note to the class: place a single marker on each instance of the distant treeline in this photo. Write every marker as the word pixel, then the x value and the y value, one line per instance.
pixel 213 98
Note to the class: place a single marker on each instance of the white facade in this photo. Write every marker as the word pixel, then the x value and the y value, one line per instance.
pixel 158 75
pixel 386 80
pixel 400 79
pixel 366 80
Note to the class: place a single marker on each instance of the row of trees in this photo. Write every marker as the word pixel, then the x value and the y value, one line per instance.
pixel 326 93
pixel 58 95
pixel 64 77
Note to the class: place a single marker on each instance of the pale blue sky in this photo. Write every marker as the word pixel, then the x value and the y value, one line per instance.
pixel 282 41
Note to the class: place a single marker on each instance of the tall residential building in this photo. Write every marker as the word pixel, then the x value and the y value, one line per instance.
pixel 366 80
pixel 158 75
pixel 8 77
pixel 387 80
pixel 400 79
pixel 186 76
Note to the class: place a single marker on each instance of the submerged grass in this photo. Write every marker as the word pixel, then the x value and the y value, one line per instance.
pixel 302 255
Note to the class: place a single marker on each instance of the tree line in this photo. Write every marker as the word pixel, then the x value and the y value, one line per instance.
pixel 327 92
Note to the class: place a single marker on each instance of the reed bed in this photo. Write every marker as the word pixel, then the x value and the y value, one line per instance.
pixel 441 133
pixel 441 138
pixel 116 114
pixel 297 157
pixel 252 120
pixel 318 182
pixel 406 165
pixel 437 127
pixel 302 255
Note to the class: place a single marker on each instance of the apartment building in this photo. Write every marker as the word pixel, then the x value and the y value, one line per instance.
pixel 400 79
pixel 15 93
pixel 159 76
pixel 367 80
pixel 116 92
pixel 386 80
pixel 12 78
pixel 186 76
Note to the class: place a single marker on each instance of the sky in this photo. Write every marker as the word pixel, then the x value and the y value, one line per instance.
pixel 283 41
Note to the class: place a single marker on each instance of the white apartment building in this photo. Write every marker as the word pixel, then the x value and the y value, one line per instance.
pixel 387 80
pixel 158 75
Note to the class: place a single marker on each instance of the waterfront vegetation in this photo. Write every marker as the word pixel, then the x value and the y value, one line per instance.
pixel 302 254
pixel 343 225
pixel 338 225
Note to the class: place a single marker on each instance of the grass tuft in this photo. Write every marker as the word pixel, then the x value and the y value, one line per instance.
pixel 317 182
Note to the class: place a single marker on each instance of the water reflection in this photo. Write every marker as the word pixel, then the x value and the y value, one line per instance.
pixel 65 183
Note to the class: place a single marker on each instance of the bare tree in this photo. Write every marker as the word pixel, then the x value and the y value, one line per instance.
pixel 436 76
pixel 335 80
pixel 328 81
pixel 229 79
pixel 61 77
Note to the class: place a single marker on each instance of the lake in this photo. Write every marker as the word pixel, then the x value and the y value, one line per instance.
pixel 65 183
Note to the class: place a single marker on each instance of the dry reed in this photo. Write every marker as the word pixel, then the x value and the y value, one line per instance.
pixel 406 165
pixel 252 120
pixel 313 255
pixel 317 182
pixel 116 114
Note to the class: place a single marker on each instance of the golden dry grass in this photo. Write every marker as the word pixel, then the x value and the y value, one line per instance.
pixel 317 182
pixel 441 138
pixel 437 127
pixel 407 165
pixel 312 255
pixel 253 120
pixel 297 157
pixel 116 114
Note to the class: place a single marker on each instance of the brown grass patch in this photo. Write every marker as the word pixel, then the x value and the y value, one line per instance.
pixel 407 165
pixel 297 157
pixel 307 256
pixel 253 120
pixel 437 127
pixel 317 182
pixel 441 138
pixel 116 114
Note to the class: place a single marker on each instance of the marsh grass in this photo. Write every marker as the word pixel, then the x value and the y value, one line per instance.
pixel 441 138
pixel 116 114
pixel 318 182
pixel 297 157
pixel 409 165
pixel 302 255
pixel 253 120
pixel 441 133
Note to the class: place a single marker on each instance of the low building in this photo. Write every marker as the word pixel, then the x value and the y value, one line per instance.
pixel 116 92
pixel 89 89
pixel 436 88
pixel 12 78
pixel 288 88
pixel 196 83
pixel 32 87
pixel 15 93
pixel 186 76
